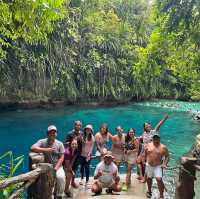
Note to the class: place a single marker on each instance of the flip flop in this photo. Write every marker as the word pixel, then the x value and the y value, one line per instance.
pixel 124 187
pixel 109 191
pixel 148 194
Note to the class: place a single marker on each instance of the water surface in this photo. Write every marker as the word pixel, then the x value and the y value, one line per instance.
pixel 20 129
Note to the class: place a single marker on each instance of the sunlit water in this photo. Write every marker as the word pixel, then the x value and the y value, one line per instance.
pixel 20 129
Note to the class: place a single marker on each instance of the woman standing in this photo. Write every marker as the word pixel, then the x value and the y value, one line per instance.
pixel 102 138
pixel 118 146
pixel 87 147
pixel 70 155
pixel 146 139
pixel 132 147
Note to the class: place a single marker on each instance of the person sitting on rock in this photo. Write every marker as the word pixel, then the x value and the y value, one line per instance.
pixel 106 176
pixel 53 151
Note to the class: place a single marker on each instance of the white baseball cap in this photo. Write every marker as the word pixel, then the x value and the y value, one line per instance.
pixel 51 128
pixel 89 126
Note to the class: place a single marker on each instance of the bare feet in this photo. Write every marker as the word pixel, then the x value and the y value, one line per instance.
pixel 74 185
pixel 142 180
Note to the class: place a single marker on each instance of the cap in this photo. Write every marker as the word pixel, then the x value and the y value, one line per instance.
pixel 51 128
pixel 156 134
pixel 108 155
pixel 89 126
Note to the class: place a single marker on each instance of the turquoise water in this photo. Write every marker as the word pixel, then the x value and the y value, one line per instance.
pixel 20 129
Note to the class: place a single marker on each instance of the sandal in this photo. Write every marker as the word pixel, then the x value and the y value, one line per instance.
pixel 109 191
pixel 69 194
pixel 124 187
pixel 97 193
pixel 148 194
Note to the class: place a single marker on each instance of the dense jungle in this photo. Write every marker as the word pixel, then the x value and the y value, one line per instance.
pixel 98 50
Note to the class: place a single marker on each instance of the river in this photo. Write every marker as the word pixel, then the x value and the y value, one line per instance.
pixel 20 129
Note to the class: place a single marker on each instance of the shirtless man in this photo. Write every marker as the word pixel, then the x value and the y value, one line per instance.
pixel 147 138
pixel 157 158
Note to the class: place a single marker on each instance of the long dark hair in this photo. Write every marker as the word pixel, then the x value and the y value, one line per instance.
pixel 104 125
pixel 85 136
pixel 128 138
pixel 145 125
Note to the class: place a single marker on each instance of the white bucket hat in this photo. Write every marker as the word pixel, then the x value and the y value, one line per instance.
pixel 89 126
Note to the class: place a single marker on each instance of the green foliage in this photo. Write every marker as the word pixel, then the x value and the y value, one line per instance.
pixel 30 20
pixel 97 49
pixel 8 167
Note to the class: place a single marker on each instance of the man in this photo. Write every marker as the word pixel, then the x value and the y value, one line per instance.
pixel 157 158
pixel 106 175
pixel 53 151
pixel 147 138
pixel 77 134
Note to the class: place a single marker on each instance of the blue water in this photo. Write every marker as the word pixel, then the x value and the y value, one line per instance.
pixel 20 129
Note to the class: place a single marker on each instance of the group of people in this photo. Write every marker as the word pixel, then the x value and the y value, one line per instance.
pixel 195 114
pixel 146 152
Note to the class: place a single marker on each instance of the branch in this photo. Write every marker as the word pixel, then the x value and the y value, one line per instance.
pixel 18 193
pixel 42 168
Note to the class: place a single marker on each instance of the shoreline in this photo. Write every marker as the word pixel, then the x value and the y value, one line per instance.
pixel 49 104
pixel 8 105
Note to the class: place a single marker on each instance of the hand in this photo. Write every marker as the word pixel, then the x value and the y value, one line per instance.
pixel 79 138
pixel 100 173
pixel 128 152
pixel 117 179
pixel 50 150
pixel 115 174
pixel 166 117
pixel 164 166
pixel 88 158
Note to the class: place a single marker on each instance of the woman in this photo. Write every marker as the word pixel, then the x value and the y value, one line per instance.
pixel 118 144
pixel 87 147
pixel 102 138
pixel 146 139
pixel 71 152
pixel 132 147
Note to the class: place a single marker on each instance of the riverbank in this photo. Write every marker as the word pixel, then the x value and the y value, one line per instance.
pixel 49 103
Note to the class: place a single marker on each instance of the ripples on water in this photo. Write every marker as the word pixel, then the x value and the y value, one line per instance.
pixel 20 129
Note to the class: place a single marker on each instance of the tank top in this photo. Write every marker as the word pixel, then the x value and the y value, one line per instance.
pixel 103 142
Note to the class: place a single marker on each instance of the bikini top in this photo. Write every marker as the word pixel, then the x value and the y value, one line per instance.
pixel 103 142
pixel 130 145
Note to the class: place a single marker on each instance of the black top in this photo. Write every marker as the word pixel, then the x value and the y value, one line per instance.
pixel 72 135
pixel 129 143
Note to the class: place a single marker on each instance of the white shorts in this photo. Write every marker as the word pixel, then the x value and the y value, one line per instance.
pixel 106 181
pixel 131 158
pixel 156 171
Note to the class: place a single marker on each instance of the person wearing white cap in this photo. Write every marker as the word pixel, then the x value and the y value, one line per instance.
pixel 86 154
pixel 106 175
pixel 53 151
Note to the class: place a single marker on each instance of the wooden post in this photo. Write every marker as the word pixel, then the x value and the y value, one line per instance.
pixel 185 185
pixel 43 186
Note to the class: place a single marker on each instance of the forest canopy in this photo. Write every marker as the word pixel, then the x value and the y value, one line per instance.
pixel 82 50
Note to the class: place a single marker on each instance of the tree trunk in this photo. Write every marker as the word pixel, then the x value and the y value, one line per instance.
pixel 44 185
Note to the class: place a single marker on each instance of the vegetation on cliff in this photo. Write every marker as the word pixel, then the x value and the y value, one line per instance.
pixel 97 49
